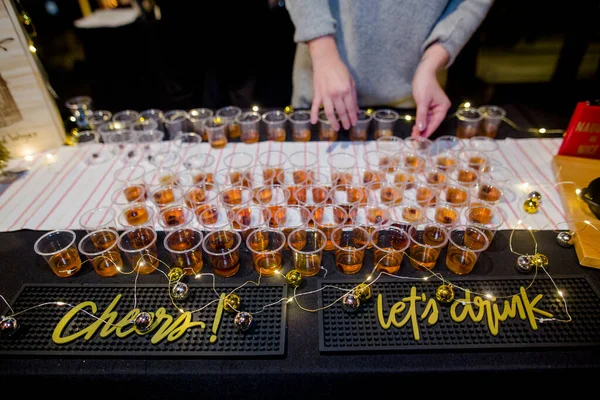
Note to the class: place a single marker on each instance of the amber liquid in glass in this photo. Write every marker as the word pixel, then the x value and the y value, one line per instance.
pixel 136 215
pixel 422 257
pixel 489 193
pixel 348 260
pixel 476 162
pixel 250 136
pixel 174 217
pixel 459 261
pixel 456 196
pixel 358 134
pixel 301 135
pixel 133 193
pixel 267 264
pixel 387 260
pixel 466 176
pixel 232 197
pixel 209 217
pixel 411 214
pixel 194 197
pixel 108 263
pixel 466 131
pixel 424 196
pixel 383 133
pixel 480 215
pixel 164 197
pixel 218 143
pixel 390 196
pixel 228 263
pixel 445 216
pixel 65 263
pixel 328 134
pixel 307 264
pixel 190 261
pixel 445 163
pixel 276 134
pixel 104 239
pixel 146 262
pixel 234 131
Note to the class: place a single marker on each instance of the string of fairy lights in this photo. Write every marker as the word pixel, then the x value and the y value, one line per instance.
pixel 351 298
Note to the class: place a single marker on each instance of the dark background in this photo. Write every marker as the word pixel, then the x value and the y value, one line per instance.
pixel 542 56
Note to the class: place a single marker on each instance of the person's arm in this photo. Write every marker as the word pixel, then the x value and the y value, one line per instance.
pixel 447 38
pixel 333 85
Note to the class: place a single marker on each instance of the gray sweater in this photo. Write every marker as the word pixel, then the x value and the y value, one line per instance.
pixel 380 41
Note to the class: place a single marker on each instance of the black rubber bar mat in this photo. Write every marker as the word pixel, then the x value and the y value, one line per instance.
pixel 395 305
pixel 179 336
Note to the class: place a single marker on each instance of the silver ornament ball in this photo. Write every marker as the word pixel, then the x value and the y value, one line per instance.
pixel 350 302
pixel 143 321
pixel 243 321
pixel 524 264
pixel 565 239
pixel 180 291
pixel 8 325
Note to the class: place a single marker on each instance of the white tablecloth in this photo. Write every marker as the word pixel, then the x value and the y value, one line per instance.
pixel 57 190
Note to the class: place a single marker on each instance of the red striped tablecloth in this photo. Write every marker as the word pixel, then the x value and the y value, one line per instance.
pixel 57 190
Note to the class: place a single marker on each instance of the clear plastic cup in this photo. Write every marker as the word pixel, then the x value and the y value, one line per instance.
pixel 389 244
pixel 312 196
pixel 360 131
pixel 420 146
pixel 266 245
pixel 175 217
pixel 483 144
pixel 150 141
pixel 485 217
pixel 492 117
pixel 165 196
pixel 307 246
pixel 249 123
pixel 80 108
pixel 326 131
pixel 272 163
pixel 98 117
pixel 342 162
pixel 275 122
pixel 197 119
pixel 159 177
pixel 379 161
pixel 187 141
pixel 229 115
pixel 175 121
pixel 60 252
pixel 498 174
pixel 247 219
pixel 464 176
pixel 468 120
pixel 141 124
pixel 384 121
pixel 455 195
pixel 326 218
pixel 138 244
pixel 136 215
pixel 465 244
pixel 405 215
pixel 166 159
pixel 213 218
pixel 126 117
pixel 447 143
pixel 390 144
pixel 292 217
pixel 223 250
pixel 98 218
pixel 426 243
pixel 301 127
pixel 239 160
pixel 370 216
pixel 126 195
pixel 185 248
pixel 420 193
pixel 101 249
pixel 273 198
pixel 215 128
pixel 350 243
pixel 444 215
pixel 487 191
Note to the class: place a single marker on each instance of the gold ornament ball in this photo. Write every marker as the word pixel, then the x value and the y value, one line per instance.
pixel 288 110
pixel 539 260
pixel 535 196
pixel 444 294
pixel 232 303
pixel 175 274
pixel 530 206
pixel 363 291
pixel 293 278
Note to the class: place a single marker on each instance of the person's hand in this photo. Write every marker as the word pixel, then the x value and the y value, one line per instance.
pixel 432 102
pixel 333 85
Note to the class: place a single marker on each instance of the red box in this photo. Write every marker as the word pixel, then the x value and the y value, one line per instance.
pixel 582 137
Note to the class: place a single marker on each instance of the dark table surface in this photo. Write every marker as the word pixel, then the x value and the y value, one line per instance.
pixel 303 371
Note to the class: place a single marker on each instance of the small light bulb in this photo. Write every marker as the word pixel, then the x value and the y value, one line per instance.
pixel 198 276
pixel 60 303
pixel 425 278
pixel 467 104
pixel 29 158
pixel 181 310
pixel 529 228
pixel 32 48
pixel 489 296
pixel 49 156
pixel 277 272
pixel 290 300
pixel 255 108
pixel 369 278
pixel 542 130
pixel 587 222
pixel 577 192
pixel 119 269
pixel 519 222
pixel 560 293
pixel 72 119
pixel 407 117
